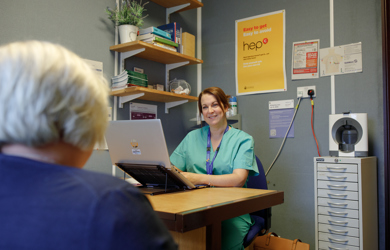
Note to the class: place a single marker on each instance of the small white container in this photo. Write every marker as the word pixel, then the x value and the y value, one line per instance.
pixel 233 106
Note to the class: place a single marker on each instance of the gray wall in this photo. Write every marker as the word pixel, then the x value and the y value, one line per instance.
pixel 82 26
pixel 355 21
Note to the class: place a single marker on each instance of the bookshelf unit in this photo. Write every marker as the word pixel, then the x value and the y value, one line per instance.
pixel 150 52
pixel 153 53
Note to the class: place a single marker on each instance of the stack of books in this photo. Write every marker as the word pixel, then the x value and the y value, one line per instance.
pixel 175 31
pixel 129 78
pixel 158 38
pixel 137 79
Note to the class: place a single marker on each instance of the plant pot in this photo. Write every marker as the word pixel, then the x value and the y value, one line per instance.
pixel 127 33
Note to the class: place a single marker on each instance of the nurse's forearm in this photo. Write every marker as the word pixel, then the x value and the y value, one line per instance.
pixel 236 179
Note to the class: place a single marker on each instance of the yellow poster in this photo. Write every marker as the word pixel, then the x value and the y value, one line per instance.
pixel 260 64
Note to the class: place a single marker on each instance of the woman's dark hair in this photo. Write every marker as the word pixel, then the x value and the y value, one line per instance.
pixel 222 98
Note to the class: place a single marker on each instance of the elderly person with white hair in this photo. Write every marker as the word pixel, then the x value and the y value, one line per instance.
pixel 52 112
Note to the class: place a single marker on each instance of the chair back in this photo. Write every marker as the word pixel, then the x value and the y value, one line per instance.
pixel 262 218
pixel 259 181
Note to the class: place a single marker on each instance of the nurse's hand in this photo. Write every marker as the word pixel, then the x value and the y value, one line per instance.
pixel 196 179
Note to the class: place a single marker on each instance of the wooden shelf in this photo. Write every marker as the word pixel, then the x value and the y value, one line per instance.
pixel 153 95
pixel 154 53
pixel 173 3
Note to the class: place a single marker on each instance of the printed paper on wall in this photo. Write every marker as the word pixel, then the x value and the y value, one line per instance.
pixel 260 54
pixel 343 59
pixel 305 63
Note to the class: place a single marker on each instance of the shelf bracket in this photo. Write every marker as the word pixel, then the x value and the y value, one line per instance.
pixel 176 65
pixel 169 105
pixel 127 54
pixel 171 10
pixel 124 99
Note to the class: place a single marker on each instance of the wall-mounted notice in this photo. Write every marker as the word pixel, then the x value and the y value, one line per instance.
pixel 341 59
pixel 305 57
pixel 260 54
pixel 95 65
pixel 280 116
pixel 139 111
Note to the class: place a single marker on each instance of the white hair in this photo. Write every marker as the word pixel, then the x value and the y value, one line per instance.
pixel 49 94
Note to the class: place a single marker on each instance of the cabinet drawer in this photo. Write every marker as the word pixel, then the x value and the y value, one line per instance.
pixel 338 194
pixel 338 230
pixel 338 221
pixel 339 212
pixel 339 239
pixel 350 177
pixel 336 203
pixel 323 245
pixel 337 168
pixel 338 185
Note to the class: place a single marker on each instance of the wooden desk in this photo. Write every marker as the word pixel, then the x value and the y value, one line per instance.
pixel 208 207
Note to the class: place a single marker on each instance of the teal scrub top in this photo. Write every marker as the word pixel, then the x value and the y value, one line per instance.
pixel 236 152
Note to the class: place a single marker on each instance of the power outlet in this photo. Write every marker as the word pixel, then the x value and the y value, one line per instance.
pixel 302 91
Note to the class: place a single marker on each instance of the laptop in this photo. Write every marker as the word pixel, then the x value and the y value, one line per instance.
pixel 138 147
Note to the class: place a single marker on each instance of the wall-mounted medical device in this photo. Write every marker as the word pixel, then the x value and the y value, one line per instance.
pixel 348 135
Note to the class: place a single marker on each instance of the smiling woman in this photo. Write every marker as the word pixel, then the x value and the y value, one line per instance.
pixel 218 155
pixel 214 111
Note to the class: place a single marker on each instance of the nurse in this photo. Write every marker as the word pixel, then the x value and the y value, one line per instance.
pixel 218 155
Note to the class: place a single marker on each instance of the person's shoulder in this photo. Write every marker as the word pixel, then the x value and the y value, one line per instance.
pixel 241 134
pixel 197 132
pixel 100 183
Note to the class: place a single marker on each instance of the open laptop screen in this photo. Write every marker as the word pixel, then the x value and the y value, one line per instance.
pixel 138 147
pixel 137 142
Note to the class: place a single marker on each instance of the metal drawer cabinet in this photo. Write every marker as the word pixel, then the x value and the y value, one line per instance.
pixel 346 203
pixel 323 245
pixel 339 230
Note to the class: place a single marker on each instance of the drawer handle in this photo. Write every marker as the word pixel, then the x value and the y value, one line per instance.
pixel 338 241
pixel 333 231
pixel 338 222
pixel 336 177
pixel 337 204
pixel 337 186
pixel 337 213
pixel 333 248
pixel 340 169
pixel 337 195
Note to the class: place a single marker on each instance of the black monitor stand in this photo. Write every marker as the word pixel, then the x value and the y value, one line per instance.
pixel 155 179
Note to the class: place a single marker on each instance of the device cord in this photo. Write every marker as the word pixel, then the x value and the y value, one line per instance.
pixel 285 137
pixel 312 127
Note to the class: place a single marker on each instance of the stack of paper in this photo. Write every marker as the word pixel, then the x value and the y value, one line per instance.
pixel 119 81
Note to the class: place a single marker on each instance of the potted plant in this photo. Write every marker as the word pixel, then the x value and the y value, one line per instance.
pixel 128 16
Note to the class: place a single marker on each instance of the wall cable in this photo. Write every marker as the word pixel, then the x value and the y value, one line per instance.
pixel 285 137
pixel 312 127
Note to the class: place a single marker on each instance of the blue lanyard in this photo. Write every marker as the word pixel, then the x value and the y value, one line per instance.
pixel 209 165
